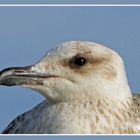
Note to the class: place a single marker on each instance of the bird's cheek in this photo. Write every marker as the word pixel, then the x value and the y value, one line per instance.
pixel 57 84
pixel 54 89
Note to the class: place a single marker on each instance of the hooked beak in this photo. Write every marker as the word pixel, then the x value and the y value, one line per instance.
pixel 21 76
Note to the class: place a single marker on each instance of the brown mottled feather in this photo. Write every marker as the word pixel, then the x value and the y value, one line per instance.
pixel 16 124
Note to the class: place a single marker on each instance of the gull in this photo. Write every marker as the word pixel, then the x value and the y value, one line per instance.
pixel 86 92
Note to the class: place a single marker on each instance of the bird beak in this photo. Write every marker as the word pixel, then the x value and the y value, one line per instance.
pixel 21 76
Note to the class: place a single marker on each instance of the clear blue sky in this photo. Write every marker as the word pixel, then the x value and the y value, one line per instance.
pixel 26 33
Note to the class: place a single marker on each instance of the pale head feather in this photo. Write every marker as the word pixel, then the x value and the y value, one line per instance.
pixel 102 76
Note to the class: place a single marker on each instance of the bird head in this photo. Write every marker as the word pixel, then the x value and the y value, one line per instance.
pixel 75 70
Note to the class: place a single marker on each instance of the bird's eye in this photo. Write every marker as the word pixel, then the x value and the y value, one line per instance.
pixel 80 61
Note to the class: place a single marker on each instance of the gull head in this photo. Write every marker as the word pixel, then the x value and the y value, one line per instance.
pixel 75 70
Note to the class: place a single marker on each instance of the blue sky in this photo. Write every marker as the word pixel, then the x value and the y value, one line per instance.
pixel 27 33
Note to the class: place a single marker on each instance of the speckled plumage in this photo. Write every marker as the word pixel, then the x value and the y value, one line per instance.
pixel 80 118
pixel 90 99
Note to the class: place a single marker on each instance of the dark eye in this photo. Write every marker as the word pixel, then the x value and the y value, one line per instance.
pixel 80 61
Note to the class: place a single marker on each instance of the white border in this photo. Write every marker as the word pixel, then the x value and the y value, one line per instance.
pixel 69 5
pixel 51 135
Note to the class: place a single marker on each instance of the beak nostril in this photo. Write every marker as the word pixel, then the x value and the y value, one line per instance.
pixel 22 76
pixel 15 69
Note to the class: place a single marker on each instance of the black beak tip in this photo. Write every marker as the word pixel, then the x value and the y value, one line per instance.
pixel 5 73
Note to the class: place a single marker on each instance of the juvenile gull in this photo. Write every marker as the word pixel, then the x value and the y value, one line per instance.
pixel 86 91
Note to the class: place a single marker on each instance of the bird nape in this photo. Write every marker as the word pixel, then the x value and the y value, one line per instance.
pixel 86 91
